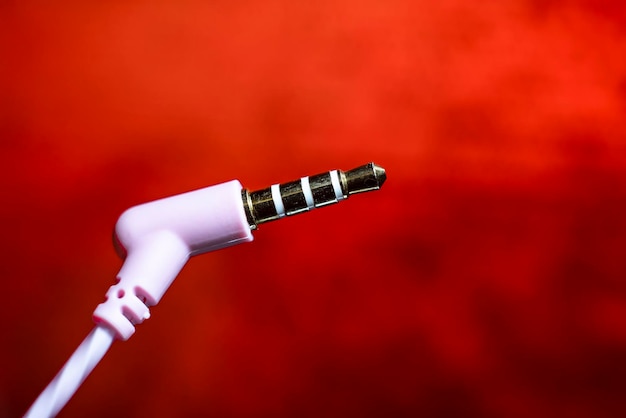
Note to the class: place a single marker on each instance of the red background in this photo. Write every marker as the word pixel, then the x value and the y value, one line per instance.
pixel 486 279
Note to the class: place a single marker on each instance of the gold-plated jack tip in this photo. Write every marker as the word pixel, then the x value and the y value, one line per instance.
pixel 309 193
pixel 365 178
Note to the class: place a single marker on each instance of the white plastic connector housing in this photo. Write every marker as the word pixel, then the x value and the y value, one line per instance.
pixel 158 238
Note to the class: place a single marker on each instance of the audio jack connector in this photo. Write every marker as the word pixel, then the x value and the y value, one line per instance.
pixel 157 238
pixel 310 192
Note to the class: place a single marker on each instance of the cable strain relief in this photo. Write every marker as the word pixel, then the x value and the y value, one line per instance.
pixel 121 312
pixel 112 319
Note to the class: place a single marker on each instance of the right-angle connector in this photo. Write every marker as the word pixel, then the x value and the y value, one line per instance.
pixel 302 195
pixel 158 237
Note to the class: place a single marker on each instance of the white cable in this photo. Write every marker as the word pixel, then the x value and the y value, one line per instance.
pixel 72 375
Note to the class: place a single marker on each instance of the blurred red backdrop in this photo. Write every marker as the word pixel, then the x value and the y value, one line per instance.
pixel 486 279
